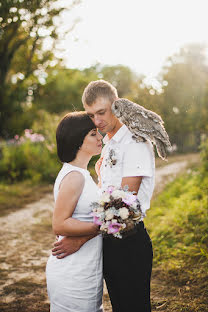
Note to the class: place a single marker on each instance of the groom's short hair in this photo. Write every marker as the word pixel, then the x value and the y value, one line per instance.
pixel 70 134
pixel 99 88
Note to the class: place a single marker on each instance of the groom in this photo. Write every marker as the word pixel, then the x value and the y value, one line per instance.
pixel 127 261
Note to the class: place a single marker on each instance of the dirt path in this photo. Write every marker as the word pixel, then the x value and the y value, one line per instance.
pixel 26 238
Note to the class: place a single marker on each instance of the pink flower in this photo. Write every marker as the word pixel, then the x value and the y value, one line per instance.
pixel 34 137
pixel 110 189
pixel 96 220
pixel 114 228
pixel 28 133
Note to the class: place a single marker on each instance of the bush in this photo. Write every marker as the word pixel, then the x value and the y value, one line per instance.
pixel 28 160
pixel 32 156
pixel 178 219
pixel 204 157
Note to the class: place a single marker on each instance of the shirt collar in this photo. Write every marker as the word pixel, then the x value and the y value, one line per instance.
pixel 117 136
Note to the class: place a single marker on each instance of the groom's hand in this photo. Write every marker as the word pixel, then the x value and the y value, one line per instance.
pixel 97 169
pixel 68 245
pixel 98 165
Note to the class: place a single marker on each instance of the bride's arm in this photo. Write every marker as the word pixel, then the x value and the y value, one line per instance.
pixel 68 196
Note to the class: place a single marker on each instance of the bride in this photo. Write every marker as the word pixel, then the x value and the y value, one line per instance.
pixel 75 283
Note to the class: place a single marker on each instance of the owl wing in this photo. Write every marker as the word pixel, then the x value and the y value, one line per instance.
pixel 141 110
pixel 145 124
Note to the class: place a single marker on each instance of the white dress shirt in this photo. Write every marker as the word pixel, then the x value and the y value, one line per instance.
pixel 124 157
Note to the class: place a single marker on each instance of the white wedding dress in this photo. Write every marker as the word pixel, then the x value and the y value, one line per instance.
pixel 75 283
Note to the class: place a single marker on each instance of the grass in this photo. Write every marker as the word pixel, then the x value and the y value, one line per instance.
pixel 17 195
pixel 29 297
pixel 178 223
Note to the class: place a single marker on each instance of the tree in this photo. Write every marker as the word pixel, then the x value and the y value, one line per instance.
pixel 25 26
pixel 63 89
pixel 120 76
pixel 186 77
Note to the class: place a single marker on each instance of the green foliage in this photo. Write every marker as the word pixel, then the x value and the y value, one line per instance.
pixel 28 160
pixel 121 78
pixel 178 220
pixel 63 89
pixel 184 109
pixel 24 27
pixel 32 156
pixel 46 125
pixel 178 223
pixel 204 156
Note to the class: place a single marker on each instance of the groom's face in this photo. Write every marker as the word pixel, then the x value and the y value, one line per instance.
pixel 101 114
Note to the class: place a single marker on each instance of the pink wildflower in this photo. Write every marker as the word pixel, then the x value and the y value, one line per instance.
pixel 96 220
pixel 114 228
pixel 110 189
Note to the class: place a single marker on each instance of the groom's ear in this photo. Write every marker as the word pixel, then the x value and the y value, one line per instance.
pixel 116 99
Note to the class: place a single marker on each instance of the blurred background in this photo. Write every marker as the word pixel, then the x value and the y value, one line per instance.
pixel 155 52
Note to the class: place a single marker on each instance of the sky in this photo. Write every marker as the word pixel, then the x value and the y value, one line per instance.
pixel 140 34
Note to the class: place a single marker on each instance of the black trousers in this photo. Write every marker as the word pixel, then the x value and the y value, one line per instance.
pixel 127 271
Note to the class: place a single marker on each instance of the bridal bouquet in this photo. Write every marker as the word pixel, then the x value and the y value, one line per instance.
pixel 117 211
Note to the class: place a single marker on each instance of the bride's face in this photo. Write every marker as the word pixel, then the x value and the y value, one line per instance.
pixel 92 143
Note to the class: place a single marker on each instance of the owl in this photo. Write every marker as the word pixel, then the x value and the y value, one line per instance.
pixel 143 124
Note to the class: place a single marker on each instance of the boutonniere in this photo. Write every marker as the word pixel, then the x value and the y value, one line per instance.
pixel 111 161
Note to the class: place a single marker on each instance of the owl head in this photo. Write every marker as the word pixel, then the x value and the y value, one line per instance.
pixel 117 108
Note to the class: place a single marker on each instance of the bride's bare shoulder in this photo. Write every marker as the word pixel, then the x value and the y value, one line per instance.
pixel 72 181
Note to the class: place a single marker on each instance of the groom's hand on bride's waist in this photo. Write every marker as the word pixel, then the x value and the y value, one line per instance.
pixel 69 245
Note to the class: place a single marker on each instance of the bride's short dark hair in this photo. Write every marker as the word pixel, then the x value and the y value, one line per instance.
pixel 70 134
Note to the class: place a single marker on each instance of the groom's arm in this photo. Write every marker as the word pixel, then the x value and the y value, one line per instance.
pixel 138 162
pixel 132 182
pixel 69 245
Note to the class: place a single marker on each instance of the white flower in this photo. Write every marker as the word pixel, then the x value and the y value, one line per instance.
pixel 109 215
pixel 124 213
pixel 134 205
pixel 105 198
pixel 114 221
pixel 100 209
pixel 118 194
pixel 103 227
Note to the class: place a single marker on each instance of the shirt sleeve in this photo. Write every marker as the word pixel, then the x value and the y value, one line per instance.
pixel 138 160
